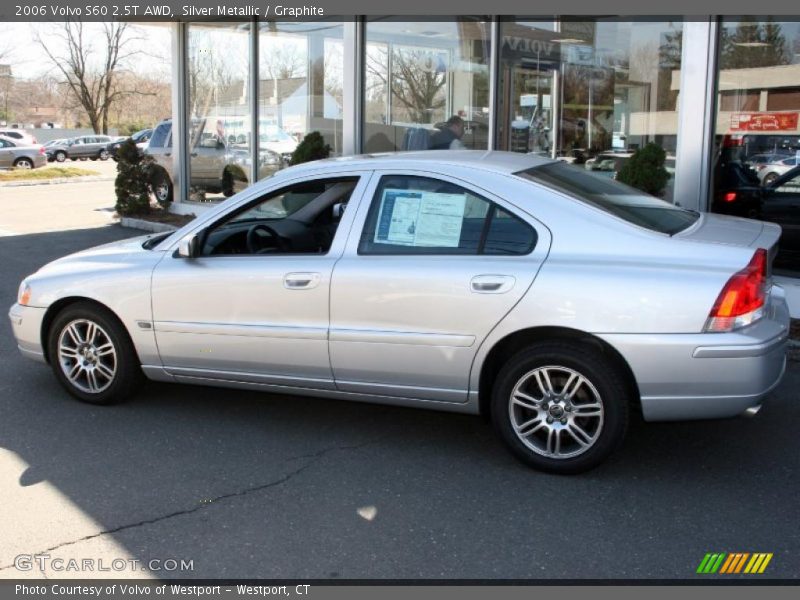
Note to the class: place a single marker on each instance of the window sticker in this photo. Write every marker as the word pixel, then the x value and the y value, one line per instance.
pixel 417 218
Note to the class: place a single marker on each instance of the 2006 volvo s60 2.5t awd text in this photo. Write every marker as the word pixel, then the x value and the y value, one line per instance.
pixel 550 299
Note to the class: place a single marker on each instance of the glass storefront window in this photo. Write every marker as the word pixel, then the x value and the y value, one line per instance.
pixel 757 143
pixel 219 109
pixel 426 85
pixel 590 92
pixel 301 71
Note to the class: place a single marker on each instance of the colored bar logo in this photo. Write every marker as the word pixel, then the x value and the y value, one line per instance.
pixel 735 562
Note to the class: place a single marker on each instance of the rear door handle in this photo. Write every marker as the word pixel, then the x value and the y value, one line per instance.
pixel 492 284
pixel 301 281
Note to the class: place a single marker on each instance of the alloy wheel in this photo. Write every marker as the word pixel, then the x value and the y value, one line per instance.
pixel 87 356
pixel 556 412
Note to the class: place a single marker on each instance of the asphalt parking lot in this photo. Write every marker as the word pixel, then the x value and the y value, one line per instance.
pixel 256 485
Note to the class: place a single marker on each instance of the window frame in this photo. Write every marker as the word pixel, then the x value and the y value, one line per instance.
pixel 371 207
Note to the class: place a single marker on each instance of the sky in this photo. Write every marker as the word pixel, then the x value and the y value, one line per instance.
pixel 19 48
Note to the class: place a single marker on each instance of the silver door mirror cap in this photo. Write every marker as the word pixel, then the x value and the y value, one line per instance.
pixel 187 248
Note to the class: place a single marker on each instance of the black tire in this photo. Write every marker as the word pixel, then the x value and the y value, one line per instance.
pixel 60 156
pixel 23 163
pixel 127 373
pixel 162 187
pixel 769 179
pixel 606 387
pixel 103 154
pixel 227 184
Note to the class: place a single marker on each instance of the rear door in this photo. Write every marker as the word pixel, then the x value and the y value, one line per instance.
pixel 431 266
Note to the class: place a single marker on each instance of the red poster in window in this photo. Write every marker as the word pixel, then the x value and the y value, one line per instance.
pixel 764 121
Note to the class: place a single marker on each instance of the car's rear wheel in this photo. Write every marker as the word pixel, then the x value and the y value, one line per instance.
pixel 23 163
pixel 560 407
pixel 162 188
pixel 60 156
pixel 92 356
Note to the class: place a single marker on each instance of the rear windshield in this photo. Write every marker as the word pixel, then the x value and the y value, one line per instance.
pixel 613 197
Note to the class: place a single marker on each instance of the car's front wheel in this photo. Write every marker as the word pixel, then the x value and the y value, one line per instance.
pixel 560 407
pixel 769 179
pixel 60 156
pixel 92 355
pixel 103 155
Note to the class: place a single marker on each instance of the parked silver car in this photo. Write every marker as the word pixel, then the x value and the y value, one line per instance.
pixel 769 172
pixel 82 147
pixel 20 155
pixel 553 300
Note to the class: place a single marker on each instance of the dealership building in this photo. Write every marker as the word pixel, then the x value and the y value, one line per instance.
pixel 721 96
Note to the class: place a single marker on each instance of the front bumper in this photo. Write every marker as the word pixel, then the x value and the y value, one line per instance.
pixel 708 375
pixel 26 322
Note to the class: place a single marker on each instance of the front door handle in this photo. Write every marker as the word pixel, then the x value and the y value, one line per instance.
pixel 492 284
pixel 301 281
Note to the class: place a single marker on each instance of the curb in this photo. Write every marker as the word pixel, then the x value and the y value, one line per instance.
pixel 146 225
pixel 78 179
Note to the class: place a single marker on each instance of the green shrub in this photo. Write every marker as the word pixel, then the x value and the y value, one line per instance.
pixel 132 127
pixel 132 186
pixel 313 147
pixel 645 170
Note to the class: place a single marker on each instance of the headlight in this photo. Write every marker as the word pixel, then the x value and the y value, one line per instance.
pixel 24 294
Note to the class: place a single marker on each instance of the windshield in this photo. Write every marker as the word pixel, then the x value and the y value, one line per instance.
pixel 613 197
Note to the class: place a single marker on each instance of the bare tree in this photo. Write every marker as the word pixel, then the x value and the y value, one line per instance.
pixel 92 75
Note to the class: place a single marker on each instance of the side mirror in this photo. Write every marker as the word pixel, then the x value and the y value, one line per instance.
pixel 338 209
pixel 188 246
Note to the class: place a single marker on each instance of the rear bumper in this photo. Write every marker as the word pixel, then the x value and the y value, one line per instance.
pixel 708 375
pixel 26 322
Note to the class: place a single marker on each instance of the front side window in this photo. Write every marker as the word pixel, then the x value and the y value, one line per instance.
pixel 298 219
pixel 420 215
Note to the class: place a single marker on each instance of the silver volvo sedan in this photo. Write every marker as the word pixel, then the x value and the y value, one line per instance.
pixel 549 299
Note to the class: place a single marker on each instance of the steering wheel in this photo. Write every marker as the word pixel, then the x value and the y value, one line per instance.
pixel 254 235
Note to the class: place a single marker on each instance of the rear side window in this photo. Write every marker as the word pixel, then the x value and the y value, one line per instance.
pixel 160 135
pixel 412 215
pixel 613 197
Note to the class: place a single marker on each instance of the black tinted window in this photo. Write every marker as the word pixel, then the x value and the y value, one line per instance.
pixel 613 197
pixel 160 135
pixel 506 234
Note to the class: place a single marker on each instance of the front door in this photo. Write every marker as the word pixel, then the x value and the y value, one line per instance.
pixel 253 304
pixel 435 266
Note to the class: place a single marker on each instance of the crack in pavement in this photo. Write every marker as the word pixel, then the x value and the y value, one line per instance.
pixel 315 457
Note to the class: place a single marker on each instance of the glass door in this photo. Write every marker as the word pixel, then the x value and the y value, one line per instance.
pixel 532 127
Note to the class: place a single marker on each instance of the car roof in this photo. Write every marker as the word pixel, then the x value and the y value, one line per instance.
pixel 485 160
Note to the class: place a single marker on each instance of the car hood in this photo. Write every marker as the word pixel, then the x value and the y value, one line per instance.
pixel 113 256
pixel 733 231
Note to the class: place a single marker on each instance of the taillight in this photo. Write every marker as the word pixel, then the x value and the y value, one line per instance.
pixel 41 149
pixel 741 302
pixel 729 197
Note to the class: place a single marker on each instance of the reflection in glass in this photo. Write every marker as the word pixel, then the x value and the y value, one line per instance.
pixel 757 142
pixel 219 110
pixel 590 92
pixel 301 69
pixel 419 76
